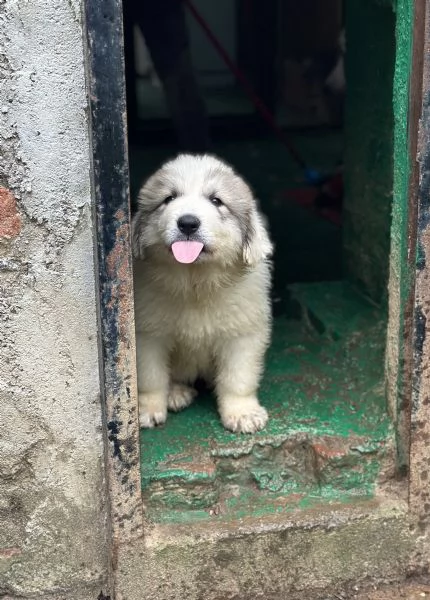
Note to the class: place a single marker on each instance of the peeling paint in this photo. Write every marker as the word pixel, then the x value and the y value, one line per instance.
pixel 400 271
pixel 116 318
pixel 328 437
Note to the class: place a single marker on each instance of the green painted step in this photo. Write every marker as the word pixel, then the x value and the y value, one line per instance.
pixel 328 440
pixel 334 309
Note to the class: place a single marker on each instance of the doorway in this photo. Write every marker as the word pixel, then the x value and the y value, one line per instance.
pixel 330 437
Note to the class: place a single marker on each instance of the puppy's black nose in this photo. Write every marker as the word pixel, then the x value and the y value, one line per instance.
pixel 188 224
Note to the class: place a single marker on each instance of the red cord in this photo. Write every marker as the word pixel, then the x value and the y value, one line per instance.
pixel 240 76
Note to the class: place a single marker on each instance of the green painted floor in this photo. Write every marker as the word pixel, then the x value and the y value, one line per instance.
pixel 329 438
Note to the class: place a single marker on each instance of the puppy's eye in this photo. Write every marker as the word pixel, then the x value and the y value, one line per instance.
pixel 216 201
pixel 169 199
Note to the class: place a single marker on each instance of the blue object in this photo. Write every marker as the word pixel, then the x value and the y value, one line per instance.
pixel 313 176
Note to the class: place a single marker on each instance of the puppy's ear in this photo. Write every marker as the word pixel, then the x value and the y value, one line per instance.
pixel 136 236
pixel 257 245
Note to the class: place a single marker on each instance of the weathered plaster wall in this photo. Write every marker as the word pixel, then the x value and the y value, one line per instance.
pixel 419 490
pixel 292 556
pixel 52 500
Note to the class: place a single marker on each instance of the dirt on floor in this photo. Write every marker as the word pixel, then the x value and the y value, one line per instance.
pixel 410 591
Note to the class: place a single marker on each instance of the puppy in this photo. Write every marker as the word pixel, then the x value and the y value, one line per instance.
pixel 201 284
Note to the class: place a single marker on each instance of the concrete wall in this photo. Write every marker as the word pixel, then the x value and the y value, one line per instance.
pixel 53 511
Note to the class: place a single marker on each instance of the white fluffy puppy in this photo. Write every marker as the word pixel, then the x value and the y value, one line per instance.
pixel 201 280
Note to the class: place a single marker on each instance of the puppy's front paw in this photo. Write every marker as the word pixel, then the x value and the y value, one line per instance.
pixel 180 396
pixel 152 409
pixel 243 415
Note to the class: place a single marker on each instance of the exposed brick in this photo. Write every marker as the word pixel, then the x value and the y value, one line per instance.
pixel 10 220
pixel 9 552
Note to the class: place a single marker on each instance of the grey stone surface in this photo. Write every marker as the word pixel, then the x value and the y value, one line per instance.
pixel 52 492
pixel 305 555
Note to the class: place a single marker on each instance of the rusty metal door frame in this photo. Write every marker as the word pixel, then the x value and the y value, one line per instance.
pixel 418 336
pixel 406 343
pixel 110 178
pixel 107 104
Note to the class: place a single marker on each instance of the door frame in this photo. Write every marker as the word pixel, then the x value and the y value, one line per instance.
pixel 104 40
pixel 103 32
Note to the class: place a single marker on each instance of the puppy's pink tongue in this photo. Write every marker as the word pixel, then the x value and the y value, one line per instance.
pixel 186 252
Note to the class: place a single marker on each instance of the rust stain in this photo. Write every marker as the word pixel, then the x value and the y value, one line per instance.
pixel 123 431
pixel 324 451
pixel 118 265
pixel 10 220
pixel 419 467
pixel 9 552
pixel 288 500
pixel 195 467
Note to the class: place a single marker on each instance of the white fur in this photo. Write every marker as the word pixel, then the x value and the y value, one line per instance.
pixel 208 319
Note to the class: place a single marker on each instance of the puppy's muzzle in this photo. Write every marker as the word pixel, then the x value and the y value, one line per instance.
pixel 188 224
